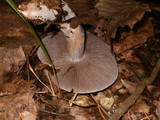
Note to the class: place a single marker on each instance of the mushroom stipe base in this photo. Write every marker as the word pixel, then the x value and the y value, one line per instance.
pixel 95 71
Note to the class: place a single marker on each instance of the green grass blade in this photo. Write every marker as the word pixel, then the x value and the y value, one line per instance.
pixel 13 5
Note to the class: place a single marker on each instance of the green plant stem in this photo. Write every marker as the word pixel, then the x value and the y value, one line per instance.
pixel 13 5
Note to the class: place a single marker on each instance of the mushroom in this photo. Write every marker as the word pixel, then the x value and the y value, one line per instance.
pixel 86 64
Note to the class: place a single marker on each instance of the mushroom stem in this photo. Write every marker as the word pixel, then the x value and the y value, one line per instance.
pixel 86 65
pixel 75 38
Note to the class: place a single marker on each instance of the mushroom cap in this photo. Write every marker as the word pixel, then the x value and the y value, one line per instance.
pixel 95 71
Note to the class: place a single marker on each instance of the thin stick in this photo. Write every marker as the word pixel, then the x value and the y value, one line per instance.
pixel 55 74
pixel 100 111
pixel 13 5
pixel 147 117
pixel 38 78
pixel 132 99
pixel 5 94
pixel 53 113
pixel 129 115
pixel 72 99
pixel 100 108
pixel 49 79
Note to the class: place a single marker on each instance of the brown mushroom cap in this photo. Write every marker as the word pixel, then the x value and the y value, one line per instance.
pixel 96 71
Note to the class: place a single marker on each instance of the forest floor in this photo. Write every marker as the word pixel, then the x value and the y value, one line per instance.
pixel 133 36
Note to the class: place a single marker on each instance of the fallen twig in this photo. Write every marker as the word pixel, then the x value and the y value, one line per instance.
pixel 53 113
pixel 100 108
pixel 31 69
pixel 132 99
pixel 72 99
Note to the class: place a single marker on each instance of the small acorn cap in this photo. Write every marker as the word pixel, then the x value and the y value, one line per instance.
pixel 95 71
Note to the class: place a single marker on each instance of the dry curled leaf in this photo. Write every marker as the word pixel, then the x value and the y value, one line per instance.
pixel 10 61
pixel 129 56
pixel 141 106
pixel 107 102
pixel 121 13
pixel 124 71
pixel 18 106
pixel 131 87
pixel 133 39
pixel 138 111
pixel 104 100
pixel 82 114
pixel 155 91
pixel 85 11
pixel 84 101
pixel 158 110
pixel 13 31
pixel 27 116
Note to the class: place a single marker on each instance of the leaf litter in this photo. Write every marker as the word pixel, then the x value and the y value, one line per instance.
pixel 137 50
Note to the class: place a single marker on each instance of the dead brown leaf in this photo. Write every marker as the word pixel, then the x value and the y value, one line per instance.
pixel 106 101
pixel 13 32
pixel 155 91
pixel 84 101
pixel 158 109
pixel 129 56
pixel 27 116
pixel 10 61
pixel 124 71
pixel 121 13
pixel 133 39
pixel 138 111
pixel 131 86
pixel 82 114
pixel 141 107
pixel 18 106
pixel 85 11
pixel 15 85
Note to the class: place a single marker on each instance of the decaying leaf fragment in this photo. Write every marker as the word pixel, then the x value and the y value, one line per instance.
pixel 10 60
pixel 84 101
pixel 105 101
pixel 158 110
pixel 154 91
pixel 120 13
pixel 130 40
pixel 18 106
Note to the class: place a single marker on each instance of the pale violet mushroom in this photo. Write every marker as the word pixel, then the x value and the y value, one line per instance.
pixel 86 65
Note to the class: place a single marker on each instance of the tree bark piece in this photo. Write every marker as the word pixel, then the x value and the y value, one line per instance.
pixel 132 99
